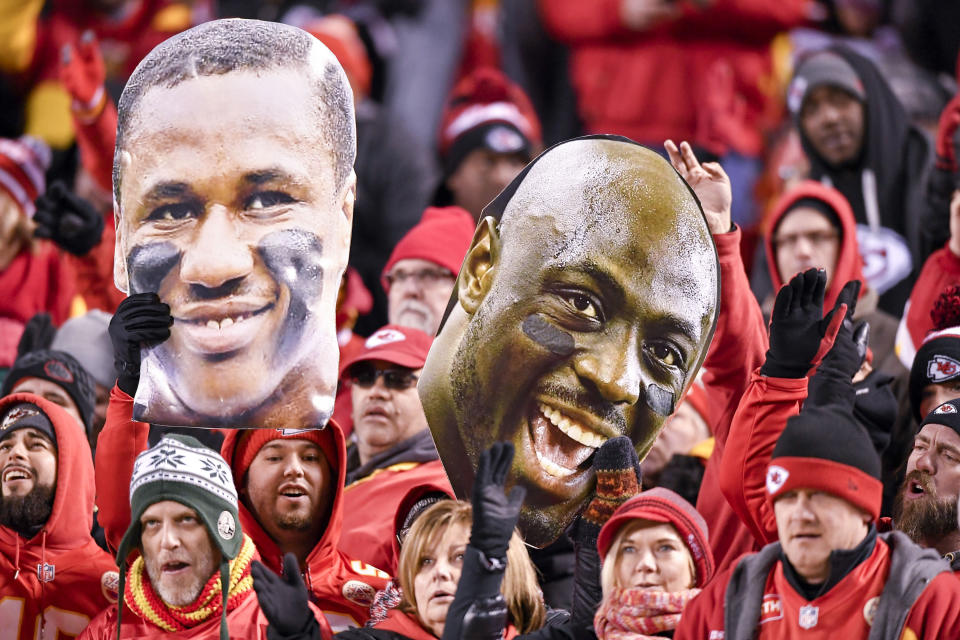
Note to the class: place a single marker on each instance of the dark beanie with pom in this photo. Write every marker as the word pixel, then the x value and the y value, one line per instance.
pixel 824 448
pixel 937 362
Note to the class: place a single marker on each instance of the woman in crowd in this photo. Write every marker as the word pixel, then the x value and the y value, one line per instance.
pixel 438 549
pixel 656 558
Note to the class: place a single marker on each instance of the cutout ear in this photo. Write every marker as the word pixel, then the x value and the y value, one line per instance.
pixel 121 279
pixel 479 267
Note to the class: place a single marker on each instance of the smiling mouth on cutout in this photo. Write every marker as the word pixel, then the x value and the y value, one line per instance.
pixel 222 329
pixel 563 446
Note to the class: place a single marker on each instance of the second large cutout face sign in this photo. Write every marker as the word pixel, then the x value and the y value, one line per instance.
pixel 582 312
pixel 234 189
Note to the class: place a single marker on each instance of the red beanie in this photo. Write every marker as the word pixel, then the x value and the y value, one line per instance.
pixel 442 236
pixel 481 100
pixel 23 163
pixel 339 34
pixel 252 440
pixel 662 505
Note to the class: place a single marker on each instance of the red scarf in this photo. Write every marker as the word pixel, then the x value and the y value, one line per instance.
pixel 635 614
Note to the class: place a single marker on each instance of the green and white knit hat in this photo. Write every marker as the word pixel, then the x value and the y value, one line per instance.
pixel 181 469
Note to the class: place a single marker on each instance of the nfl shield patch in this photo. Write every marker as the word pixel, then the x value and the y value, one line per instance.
pixel 809 615
pixel 45 572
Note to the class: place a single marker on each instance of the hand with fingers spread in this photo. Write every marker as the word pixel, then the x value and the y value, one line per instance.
pixel 495 512
pixel 708 180
pixel 83 73
pixel 140 319
pixel 798 326
pixel 71 222
pixel 284 601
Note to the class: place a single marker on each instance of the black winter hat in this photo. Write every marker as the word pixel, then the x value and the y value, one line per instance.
pixel 947 414
pixel 937 361
pixel 61 369
pixel 824 448
pixel 25 415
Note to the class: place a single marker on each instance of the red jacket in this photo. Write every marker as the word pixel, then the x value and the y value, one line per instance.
pixel 849 261
pixel 738 347
pixel 81 579
pixel 371 506
pixel 342 588
pixel 705 77
pixel 847 610
pixel 940 271
pixel 246 622
pixel 34 281
pixel 761 418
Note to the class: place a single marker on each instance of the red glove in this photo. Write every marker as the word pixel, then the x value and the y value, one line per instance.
pixel 82 73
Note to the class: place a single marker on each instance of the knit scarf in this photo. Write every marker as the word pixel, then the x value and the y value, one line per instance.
pixel 140 597
pixel 632 614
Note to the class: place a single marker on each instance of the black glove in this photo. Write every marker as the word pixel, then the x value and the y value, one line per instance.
pixel 798 325
pixel 284 601
pixel 140 319
pixel 618 479
pixel 495 513
pixel 67 219
pixel 833 381
pixel 38 334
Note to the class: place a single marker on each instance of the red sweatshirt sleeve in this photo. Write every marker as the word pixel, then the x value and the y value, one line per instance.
pixel 739 346
pixel 96 139
pixel 759 421
pixel 118 445
pixel 936 613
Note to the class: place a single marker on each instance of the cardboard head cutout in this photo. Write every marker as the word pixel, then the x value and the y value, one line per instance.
pixel 582 311
pixel 233 200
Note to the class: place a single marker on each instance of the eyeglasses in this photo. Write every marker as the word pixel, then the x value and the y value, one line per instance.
pixel 423 276
pixel 365 376
pixel 815 238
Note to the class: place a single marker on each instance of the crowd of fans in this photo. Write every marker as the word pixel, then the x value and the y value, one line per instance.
pixel 807 483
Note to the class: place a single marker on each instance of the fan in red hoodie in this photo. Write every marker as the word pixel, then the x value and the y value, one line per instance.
pixel 53 576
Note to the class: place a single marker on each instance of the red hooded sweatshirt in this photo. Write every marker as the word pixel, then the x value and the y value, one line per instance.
pixel 340 587
pixel 60 573
pixel 849 263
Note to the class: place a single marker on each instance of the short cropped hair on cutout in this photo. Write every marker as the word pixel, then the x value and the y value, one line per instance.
pixel 222 46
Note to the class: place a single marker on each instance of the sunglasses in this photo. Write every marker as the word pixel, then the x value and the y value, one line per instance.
pixel 365 376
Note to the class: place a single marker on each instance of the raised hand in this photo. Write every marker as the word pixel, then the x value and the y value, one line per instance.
pixel 284 600
pixel 71 222
pixel 708 180
pixel 495 512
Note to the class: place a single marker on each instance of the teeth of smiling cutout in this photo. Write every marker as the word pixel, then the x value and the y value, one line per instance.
pixel 552 468
pixel 571 428
pixel 225 322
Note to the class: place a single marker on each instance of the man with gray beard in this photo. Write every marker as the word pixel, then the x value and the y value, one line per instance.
pixel 926 505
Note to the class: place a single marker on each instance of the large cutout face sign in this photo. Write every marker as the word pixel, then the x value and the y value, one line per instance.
pixel 234 195
pixel 581 315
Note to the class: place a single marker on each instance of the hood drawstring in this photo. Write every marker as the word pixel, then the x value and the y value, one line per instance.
pixel 42 575
pixel 16 558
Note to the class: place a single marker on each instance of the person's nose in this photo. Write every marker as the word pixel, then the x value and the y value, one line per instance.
pixel 169 536
pixel 379 388
pixel 217 254
pixel 802 510
pixel 615 373
pixel 294 467
pixel 16 452
pixel 926 462
pixel 444 570
pixel 646 563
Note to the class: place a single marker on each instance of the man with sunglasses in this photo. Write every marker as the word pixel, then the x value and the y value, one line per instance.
pixel 394 451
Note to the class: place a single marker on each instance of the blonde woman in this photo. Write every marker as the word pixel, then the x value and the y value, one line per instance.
pixel 656 558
